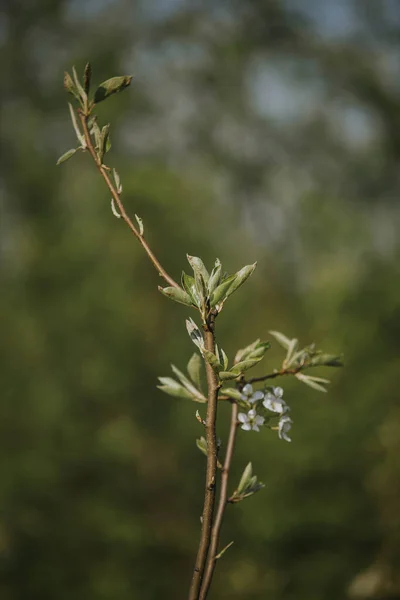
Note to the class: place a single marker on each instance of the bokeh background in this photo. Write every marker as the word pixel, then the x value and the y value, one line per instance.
pixel 254 130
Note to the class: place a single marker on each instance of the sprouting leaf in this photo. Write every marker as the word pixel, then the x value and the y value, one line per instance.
pixel 117 180
pixel 104 144
pixel 189 385
pixel 327 360
pixel 245 365
pixel 291 350
pixel 212 360
pixel 281 339
pixel 176 294
pixel 240 277
pixel 194 369
pixel 222 357
pixel 312 381
pixel 201 443
pixel 79 135
pixel 230 392
pixel 198 267
pixel 140 223
pixel 195 334
pixel 67 155
pixel 87 76
pixel 81 91
pixel 220 292
pixel 246 476
pixel 189 284
pixel 70 86
pixel 114 209
pixel 226 375
pixel 111 86
pixel 173 388
pixel 215 277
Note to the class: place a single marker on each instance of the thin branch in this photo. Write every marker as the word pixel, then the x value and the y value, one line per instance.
pixel 116 197
pixel 223 501
pixel 279 373
pixel 211 472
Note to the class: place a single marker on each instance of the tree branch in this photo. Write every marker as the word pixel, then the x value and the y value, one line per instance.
pixel 209 494
pixel 223 501
pixel 116 197
pixel 279 373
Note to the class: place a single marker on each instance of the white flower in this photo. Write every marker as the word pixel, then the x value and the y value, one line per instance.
pixel 251 421
pixel 249 396
pixel 273 401
pixel 285 423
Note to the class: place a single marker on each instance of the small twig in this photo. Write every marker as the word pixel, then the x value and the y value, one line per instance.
pixel 211 472
pixel 116 197
pixel 279 373
pixel 222 503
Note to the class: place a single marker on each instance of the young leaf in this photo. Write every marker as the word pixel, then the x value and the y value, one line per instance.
pixel 215 277
pixel 230 392
pixel 111 86
pixel 87 76
pixel 310 381
pixel 198 267
pixel 67 155
pixel 189 385
pixel 140 223
pixel 212 360
pixel 81 91
pixel 220 292
pixel 114 209
pixel 117 180
pixel 173 388
pixel 240 277
pixel 176 294
pixel 327 360
pixel 70 86
pixel 281 339
pixel 189 285
pixel 79 135
pixel 195 334
pixel 226 375
pixel 244 480
pixel 201 443
pixel 245 365
pixel 194 369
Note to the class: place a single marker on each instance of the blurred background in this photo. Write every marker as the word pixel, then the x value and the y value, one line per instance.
pixel 254 130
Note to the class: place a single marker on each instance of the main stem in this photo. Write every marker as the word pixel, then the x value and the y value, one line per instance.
pixel 209 493
pixel 223 500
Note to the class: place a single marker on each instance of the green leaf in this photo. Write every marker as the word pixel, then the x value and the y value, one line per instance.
pixel 198 267
pixel 212 360
pixel 220 292
pixel 189 285
pixel 188 385
pixel 291 350
pixel 215 277
pixel 281 339
pixel 244 352
pixel 140 223
pixel 105 143
pixel 176 294
pixel 111 86
pixel 195 334
pixel 244 480
pixel 222 357
pixel 194 369
pixel 240 277
pixel 173 388
pixel 243 366
pixel 226 375
pixel 67 155
pixel 118 184
pixel 70 86
pixel 201 443
pixel 79 135
pixel 81 91
pixel 327 360
pixel 311 382
pixel 87 76
pixel 230 392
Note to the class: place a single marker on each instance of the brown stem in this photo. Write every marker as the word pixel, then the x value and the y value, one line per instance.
pixel 223 501
pixel 117 199
pixel 276 374
pixel 209 494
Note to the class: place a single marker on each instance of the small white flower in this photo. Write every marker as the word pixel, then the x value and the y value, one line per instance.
pixel 285 423
pixel 273 401
pixel 249 396
pixel 251 421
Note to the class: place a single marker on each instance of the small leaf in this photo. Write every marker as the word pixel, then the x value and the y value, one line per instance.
pixel 114 209
pixel 194 369
pixel 81 91
pixel 243 366
pixel 244 480
pixel 87 76
pixel 291 350
pixel 327 360
pixel 281 339
pixel 220 292
pixel 201 443
pixel 104 144
pixel 195 334
pixel 70 86
pixel 176 294
pixel 308 380
pixel 226 375
pixel 212 360
pixel 79 135
pixel 140 223
pixel 117 180
pixel 240 277
pixel 111 86
pixel 215 277
pixel 230 392
pixel 189 285
pixel 189 385
pixel 198 267
pixel 67 155
pixel 173 388
pixel 244 352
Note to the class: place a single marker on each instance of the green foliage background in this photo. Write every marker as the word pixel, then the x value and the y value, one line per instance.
pixel 257 130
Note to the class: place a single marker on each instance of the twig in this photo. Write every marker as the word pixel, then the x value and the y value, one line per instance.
pixel 211 472
pixel 222 503
pixel 279 373
pixel 116 197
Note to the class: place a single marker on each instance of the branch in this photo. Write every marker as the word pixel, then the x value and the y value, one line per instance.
pixel 116 197
pixel 209 494
pixel 223 501
pixel 276 374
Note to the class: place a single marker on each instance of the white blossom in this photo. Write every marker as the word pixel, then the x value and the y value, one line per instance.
pixel 285 423
pixel 273 400
pixel 251 421
pixel 249 396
